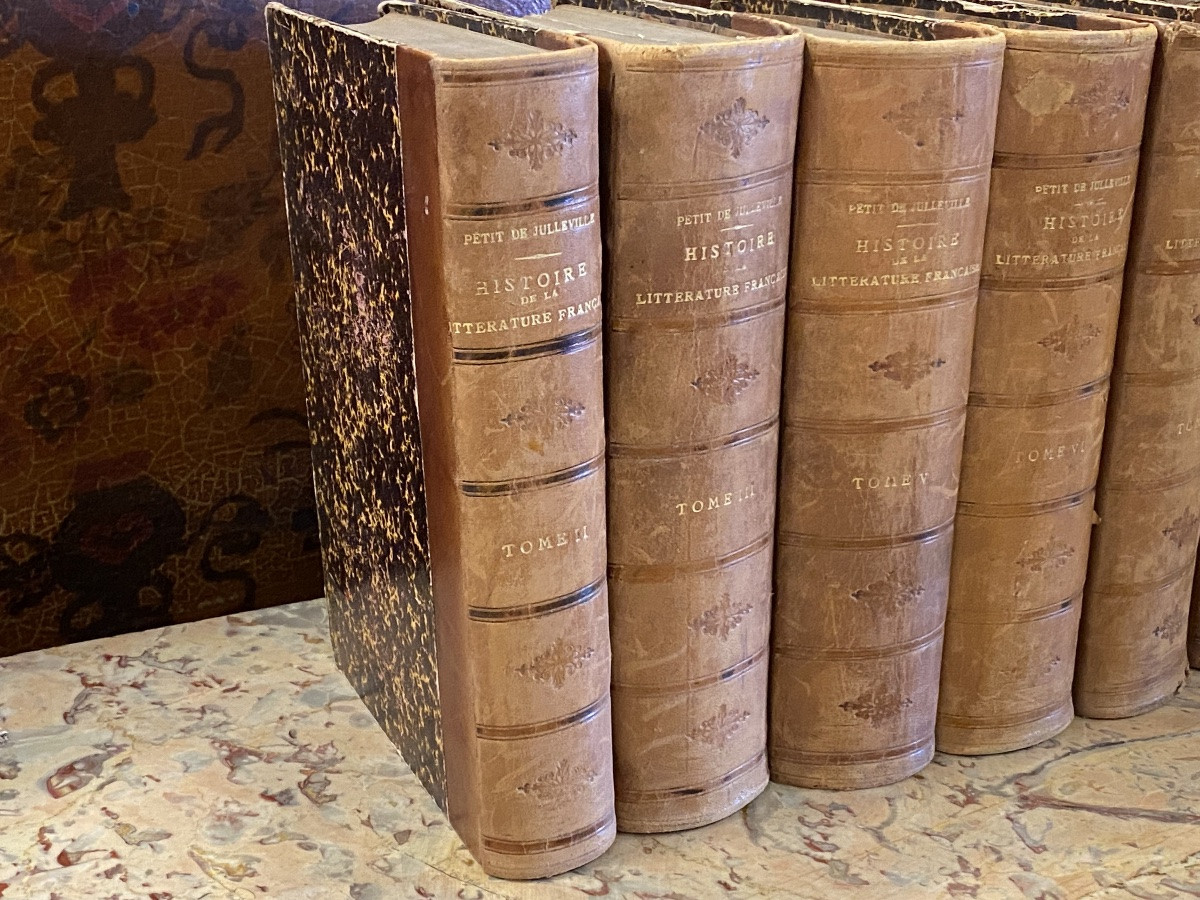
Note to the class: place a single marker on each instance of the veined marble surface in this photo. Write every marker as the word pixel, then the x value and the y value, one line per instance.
pixel 229 758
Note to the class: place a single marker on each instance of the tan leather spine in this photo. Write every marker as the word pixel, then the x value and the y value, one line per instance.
pixel 886 244
pixel 515 210
pixel 1067 142
pixel 1133 641
pixel 698 174
pixel 501 185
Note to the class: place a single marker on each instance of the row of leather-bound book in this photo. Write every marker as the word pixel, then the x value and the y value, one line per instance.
pixel 777 390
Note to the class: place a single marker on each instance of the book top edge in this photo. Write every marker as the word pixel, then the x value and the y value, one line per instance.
pixel 529 44
pixel 1078 25
pixel 833 19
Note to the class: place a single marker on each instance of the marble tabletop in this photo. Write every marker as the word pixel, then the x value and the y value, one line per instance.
pixel 229 758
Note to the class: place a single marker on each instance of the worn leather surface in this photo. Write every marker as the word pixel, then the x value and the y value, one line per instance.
pixel 698 179
pixel 1133 638
pixel 513 423
pixel 1068 136
pixel 464 531
pixel 886 250
pixel 154 460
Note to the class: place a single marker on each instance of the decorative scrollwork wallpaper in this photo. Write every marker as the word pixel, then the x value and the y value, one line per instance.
pixel 154 461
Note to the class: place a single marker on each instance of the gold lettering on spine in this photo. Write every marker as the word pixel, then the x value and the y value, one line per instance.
pixel 1042 260
pixel 553 541
pixel 897 207
pixel 1081 223
pixel 1082 187
pixel 1057 451
pixel 879 482
pixel 579 309
pixel 709 239
pixel 499 326
pixel 903 245
pixel 515 284
pixel 558 226
pixel 1182 244
pixel 739 210
pixel 909 253
pixel 483 237
pixel 725 249
pixel 527 290
pixel 651 298
pixel 1099 219
pixel 715 502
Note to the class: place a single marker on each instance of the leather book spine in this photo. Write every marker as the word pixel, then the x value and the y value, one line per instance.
pixel 886 246
pixel 698 165
pixel 1068 138
pixel 500 238
pixel 1133 639
pixel 503 156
